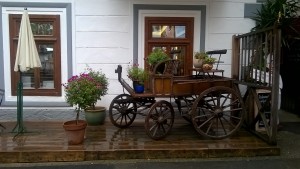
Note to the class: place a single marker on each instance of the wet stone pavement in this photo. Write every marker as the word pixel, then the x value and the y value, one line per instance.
pixel 108 142
pixel 43 114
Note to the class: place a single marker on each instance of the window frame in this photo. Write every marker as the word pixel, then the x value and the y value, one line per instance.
pixel 188 41
pixel 66 13
pixel 14 24
pixel 140 11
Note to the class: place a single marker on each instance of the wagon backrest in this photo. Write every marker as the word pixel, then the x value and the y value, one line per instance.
pixel 168 68
pixel 162 76
pixel 218 53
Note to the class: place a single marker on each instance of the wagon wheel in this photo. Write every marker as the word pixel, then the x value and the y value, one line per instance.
pixel 122 111
pixel 160 119
pixel 218 112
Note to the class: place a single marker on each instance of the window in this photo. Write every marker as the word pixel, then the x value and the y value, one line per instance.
pixel 44 81
pixel 174 35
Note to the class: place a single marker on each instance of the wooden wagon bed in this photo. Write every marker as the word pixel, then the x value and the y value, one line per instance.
pixel 166 84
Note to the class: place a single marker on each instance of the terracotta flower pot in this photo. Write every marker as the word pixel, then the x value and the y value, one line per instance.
pixel 75 132
pixel 207 66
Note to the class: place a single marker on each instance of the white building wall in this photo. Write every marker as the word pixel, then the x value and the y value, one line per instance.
pixel 103 39
pixel 224 20
pixel 103 33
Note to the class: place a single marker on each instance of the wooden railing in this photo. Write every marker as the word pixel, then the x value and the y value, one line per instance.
pixel 256 65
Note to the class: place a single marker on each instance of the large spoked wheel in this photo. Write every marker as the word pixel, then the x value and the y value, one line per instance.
pixel 122 111
pixel 218 112
pixel 160 119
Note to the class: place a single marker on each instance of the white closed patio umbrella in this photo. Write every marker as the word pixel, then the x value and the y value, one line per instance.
pixel 27 57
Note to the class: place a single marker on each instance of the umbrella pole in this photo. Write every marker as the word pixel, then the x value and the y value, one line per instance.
pixel 19 128
pixel 26 50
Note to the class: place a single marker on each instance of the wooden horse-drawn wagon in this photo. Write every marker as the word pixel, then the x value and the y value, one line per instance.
pixel 210 102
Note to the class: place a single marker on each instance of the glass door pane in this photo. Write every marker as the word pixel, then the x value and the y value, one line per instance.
pixel 28 79
pixel 168 31
pixel 174 35
pixel 47 69
pixel 179 53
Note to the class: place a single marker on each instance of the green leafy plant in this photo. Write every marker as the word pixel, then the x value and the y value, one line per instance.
pixel 200 55
pixel 209 60
pixel 101 80
pixel 137 74
pixel 208 63
pixel 85 89
pixel 156 56
pixel 280 12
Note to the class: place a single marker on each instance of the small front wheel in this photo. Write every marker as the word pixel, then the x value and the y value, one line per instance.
pixel 122 110
pixel 160 119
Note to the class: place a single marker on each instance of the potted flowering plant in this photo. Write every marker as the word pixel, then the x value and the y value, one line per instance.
pixel 83 91
pixel 155 57
pixel 138 76
pixel 208 63
pixel 199 59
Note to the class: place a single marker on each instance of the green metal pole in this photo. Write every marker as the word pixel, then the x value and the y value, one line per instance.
pixel 19 128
